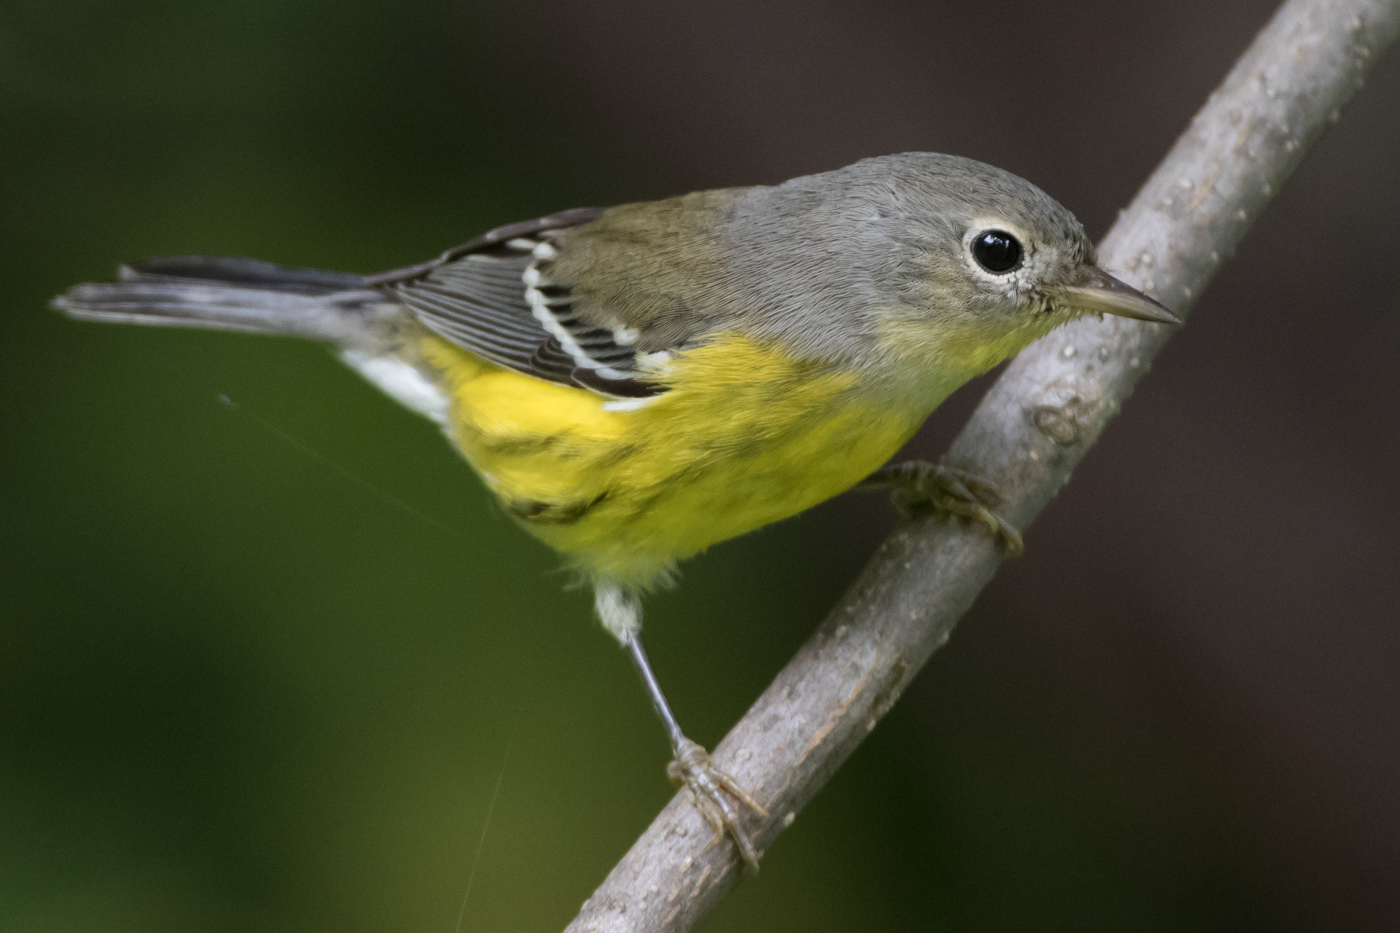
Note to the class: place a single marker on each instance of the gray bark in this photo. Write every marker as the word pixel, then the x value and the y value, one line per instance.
pixel 1026 436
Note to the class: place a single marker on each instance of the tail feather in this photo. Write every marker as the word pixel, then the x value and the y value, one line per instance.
pixel 230 294
pixel 247 272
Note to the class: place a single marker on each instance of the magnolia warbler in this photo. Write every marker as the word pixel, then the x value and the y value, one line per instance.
pixel 637 383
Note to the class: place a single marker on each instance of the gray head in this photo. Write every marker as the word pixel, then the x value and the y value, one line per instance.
pixel 965 264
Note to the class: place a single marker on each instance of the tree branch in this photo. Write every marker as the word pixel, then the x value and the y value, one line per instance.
pixel 1026 436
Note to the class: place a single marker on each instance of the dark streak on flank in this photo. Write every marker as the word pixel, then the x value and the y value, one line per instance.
pixel 537 512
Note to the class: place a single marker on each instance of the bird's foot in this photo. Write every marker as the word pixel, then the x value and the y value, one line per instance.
pixel 919 484
pixel 707 787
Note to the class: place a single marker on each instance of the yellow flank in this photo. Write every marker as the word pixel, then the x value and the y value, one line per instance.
pixel 742 437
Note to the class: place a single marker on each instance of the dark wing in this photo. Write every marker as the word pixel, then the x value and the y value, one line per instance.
pixel 492 296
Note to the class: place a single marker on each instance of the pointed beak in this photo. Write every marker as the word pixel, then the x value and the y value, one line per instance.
pixel 1097 292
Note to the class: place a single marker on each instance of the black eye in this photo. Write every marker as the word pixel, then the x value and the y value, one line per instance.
pixel 996 251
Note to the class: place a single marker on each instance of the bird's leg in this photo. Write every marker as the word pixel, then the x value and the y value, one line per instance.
pixel 692 769
pixel 920 484
pixel 709 787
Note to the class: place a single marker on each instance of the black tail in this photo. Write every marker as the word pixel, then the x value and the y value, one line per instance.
pixel 230 294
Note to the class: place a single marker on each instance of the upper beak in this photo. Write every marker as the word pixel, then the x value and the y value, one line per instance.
pixel 1097 292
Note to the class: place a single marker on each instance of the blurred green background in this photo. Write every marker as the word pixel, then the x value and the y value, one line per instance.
pixel 250 683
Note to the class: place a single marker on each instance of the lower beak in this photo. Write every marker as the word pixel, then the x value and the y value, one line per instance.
pixel 1097 292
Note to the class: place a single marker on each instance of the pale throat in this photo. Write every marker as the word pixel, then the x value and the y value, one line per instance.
pixel 927 361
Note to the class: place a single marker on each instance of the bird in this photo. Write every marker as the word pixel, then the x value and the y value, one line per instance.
pixel 637 383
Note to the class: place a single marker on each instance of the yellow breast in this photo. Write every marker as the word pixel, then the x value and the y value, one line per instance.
pixel 742 437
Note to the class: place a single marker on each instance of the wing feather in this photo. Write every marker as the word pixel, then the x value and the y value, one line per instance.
pixel 492 296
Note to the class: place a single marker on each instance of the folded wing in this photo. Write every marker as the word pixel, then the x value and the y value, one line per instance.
pixel 493 297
